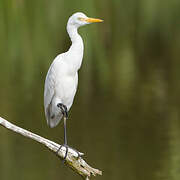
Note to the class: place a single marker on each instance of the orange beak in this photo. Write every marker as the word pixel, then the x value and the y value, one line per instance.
pixel 91 20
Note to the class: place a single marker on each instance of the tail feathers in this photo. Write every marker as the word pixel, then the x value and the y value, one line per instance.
pixel 53 121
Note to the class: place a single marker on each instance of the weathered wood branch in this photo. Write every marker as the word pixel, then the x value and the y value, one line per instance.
pixel 73 161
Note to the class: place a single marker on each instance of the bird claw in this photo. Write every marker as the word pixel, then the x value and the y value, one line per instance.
pixel 65 156
pixel 63 109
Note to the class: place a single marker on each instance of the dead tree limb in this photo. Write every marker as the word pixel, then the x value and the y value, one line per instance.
pixel 73 160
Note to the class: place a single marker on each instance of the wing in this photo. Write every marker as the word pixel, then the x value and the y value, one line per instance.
pixel 49 93
pixel 52 117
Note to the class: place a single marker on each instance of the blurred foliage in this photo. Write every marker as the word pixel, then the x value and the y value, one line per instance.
pixel 128 86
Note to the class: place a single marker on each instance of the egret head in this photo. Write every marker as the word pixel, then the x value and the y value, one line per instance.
pixel 80 19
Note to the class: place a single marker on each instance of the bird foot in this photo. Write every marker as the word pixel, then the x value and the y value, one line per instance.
pixel 63 109
pixel 66 146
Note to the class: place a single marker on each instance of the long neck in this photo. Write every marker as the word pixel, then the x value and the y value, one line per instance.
pixel 76 49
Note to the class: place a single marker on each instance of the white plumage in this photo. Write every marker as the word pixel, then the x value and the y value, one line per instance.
pixel 62 77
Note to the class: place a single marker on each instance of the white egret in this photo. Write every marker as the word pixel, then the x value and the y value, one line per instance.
pixel 62 77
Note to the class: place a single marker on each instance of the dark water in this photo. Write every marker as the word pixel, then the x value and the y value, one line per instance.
pixel 134 138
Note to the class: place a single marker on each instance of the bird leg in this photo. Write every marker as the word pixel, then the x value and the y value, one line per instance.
pixel 64 111
pixel 65 115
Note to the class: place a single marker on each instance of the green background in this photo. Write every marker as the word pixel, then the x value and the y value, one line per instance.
pixel 126 113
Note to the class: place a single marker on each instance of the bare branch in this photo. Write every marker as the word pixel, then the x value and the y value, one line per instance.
pixel 76 163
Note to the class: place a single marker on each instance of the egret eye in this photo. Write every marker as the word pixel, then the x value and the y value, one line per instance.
pixel 81 19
